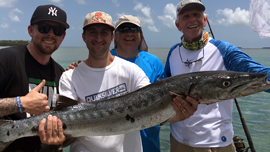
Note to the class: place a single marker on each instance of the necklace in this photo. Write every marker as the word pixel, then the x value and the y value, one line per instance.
pixel 189 62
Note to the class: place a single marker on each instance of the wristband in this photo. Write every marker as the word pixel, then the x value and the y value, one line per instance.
pixel 19 104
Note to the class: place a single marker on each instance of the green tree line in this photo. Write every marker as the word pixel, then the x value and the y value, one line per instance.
pixel 13 42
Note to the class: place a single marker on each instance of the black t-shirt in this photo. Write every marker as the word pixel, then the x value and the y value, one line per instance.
pixel 19 74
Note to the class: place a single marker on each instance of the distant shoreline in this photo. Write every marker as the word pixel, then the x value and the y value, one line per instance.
pixel 13 42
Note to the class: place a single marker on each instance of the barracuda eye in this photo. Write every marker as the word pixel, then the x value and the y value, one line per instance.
pixel 226 83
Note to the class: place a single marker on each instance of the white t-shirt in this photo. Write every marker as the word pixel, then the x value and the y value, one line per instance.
pixel 88 84
pixel 211 125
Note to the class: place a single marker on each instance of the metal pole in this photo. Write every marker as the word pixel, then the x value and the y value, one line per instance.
pixel 245 128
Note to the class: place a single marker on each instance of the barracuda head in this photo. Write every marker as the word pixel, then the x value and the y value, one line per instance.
pixel 224 85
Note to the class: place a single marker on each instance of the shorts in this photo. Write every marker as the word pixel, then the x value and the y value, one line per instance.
pixel 179 147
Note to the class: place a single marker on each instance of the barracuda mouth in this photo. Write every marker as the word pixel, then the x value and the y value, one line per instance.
pixel 257 87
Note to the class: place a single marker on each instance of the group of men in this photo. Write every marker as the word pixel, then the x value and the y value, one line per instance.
pixel 30 80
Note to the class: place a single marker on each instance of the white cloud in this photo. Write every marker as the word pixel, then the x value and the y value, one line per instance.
pixel 4 25
pixel 153 28
pixel 7 3
pixel 146 19
pixel 118 16
pixel 240 17
pixel 81 1
pixel 169 16
pixel 12 15
pixel 146 10
pixel 115 2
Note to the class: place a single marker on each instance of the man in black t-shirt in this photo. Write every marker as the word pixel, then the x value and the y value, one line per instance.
pixel 29 78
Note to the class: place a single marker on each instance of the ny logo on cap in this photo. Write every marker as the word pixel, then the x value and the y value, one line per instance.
pixel 53 11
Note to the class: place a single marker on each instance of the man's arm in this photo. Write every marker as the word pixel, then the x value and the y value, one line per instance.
pixel 33 103
pixel 8 106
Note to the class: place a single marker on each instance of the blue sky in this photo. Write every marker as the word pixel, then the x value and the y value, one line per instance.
pixel 229 19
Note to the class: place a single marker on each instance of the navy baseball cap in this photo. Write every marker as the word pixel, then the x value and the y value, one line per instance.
pixel 49 13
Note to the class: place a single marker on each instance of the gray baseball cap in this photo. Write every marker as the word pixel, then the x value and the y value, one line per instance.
pixel 184 3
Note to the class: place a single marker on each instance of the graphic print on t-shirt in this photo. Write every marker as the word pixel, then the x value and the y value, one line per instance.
pixel 111 92
pixel 49 89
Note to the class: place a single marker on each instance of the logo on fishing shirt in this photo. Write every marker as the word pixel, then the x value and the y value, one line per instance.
pixel 112 92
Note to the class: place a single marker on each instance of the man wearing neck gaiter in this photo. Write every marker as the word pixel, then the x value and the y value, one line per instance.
pixel 210 129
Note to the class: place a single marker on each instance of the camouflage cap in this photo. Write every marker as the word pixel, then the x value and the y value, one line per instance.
pixel 98 18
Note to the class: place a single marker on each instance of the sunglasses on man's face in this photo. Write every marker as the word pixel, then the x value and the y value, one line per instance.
pixel 126 28
pixel 45 28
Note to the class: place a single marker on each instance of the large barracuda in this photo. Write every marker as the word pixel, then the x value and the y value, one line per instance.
pixel 140 109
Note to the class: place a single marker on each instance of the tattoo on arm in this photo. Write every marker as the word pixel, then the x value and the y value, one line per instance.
pixel 8 106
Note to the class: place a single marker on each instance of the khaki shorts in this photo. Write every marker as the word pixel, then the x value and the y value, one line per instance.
pixel 178 147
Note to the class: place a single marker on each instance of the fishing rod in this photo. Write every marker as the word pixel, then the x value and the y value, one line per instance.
pixel 250 142
pixel 210 29
pixel 251 146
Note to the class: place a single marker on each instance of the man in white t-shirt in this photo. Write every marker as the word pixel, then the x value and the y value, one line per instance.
pixel 99 74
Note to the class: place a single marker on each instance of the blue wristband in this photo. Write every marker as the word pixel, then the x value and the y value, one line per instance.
pixel 19 104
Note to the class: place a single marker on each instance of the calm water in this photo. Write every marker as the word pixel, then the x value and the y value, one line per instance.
pixel 255 108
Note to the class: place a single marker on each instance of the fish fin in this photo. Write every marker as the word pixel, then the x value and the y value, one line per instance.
pixel 55 148
pixel 173 93
pixel 161 124
pixel 2 121
pixel 4 145
pixel 63 102
pixel 69 140
pixel 59 148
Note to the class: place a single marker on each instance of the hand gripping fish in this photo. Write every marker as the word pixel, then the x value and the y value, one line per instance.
pixel 143 108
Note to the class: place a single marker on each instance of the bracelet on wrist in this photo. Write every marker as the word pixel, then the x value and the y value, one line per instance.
pixel 19 104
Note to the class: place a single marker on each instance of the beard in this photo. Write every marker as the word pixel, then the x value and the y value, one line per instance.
pixel 43 49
